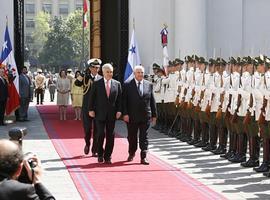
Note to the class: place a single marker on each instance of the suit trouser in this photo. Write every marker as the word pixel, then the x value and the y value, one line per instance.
pixel 133 128
pixel 2 111
pixel 40 95
pixel 109 134
pixel 24 105
pixel 88 123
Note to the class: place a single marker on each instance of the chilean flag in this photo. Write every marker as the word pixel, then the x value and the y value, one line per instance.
pixel 85 9
pixel 7 59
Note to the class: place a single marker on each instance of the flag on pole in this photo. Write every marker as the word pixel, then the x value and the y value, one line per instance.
pixel 85 10
pixel 133 58
pixel 164 43
pixel 7 59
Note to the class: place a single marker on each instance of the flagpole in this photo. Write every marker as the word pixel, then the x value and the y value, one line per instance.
pixel 82 35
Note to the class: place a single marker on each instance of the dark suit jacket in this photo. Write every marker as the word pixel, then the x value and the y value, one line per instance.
pixel 14 190
pixel 139 108
pixel 3 90
pixel 105 108
pixel 24 86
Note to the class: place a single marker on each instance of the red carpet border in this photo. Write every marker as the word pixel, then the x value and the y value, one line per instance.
pixel 121 180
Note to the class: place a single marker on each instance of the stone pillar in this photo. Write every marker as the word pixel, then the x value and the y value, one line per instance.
pixel 190 27
pixel 95 30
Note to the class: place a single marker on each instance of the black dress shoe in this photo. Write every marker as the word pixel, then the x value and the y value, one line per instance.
pixel 267 174
pixel 86 149
pixel 250 163
pixel 94 155
pixel 201 144
pixel 209 147
pixel 130 158
pixel 109 161
pixel 100 159
pixel 264 167
pixel 144 161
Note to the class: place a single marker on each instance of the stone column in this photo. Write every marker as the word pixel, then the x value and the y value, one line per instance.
pixel 95 30
pixel 190 27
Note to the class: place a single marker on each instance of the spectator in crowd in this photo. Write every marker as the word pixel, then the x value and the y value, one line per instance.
pixel 51 87
pixel 63 90
pixel 77 95
pixel 25 94
pixel 12 162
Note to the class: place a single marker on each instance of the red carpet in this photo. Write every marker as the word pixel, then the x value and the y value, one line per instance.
pixel 121 180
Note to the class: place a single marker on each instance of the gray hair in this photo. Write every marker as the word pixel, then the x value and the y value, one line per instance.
pixel 138 67
pixel 107 66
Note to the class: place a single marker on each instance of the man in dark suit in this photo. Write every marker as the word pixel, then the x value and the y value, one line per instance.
pixel 105 106
pixel 12 162
pixel 25 95
pixel 90 75
pixel 3 96
pixel 139 109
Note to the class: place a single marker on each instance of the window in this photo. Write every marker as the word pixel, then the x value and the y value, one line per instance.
pixel 30 23
pixel 78 6
pixel 46 7
pixel 28 39
pixel 30 8
pixel 63 9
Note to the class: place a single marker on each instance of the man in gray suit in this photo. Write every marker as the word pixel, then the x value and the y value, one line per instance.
pixel 24 85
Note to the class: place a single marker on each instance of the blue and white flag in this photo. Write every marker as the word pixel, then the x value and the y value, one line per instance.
pixel 133 58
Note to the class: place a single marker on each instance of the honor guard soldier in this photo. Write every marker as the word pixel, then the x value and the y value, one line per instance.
pixel 251 127
pixel 266 110
pixel 199 83
pixel 188 129
pixel 40 86
pixel 180 98
pixel 222 86
pixel 240 104
pixel 159 75
pixel 90 75
pixel 226 107
pixel 260 95
pixel 170 95
pixel 198 78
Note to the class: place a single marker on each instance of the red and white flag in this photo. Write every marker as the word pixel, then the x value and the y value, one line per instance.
pixel 85 10
pixel 7 59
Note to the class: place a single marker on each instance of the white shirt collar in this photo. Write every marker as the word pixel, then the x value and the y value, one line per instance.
pixel 137 82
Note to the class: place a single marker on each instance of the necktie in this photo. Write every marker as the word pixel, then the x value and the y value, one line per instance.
pixel 139 89
pixel 108 89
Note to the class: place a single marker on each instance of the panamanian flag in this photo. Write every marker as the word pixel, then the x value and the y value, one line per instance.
pixel 133 58
pixel 8 61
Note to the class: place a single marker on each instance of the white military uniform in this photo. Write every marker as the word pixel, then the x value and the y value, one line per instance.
pixel 198 86
pixel 209 85
pixel 172 87
pixel 217 90
pixel 258 93
pixel 159 90
pixel 267 95
pixel 234 91
pixel 245 92
pixel 189 84
pixel 226 77
pixel 182 83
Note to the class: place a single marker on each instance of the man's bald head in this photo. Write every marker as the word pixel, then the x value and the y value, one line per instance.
pixel 11 157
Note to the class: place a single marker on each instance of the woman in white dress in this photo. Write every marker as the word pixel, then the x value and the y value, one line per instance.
pixel 63 90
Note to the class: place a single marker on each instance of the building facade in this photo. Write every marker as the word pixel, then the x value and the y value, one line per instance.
pixel 53 7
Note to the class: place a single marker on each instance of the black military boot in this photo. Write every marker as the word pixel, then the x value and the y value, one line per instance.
pixel 213 139
pixel 264 167
pixel 241 149
pixel 222 132
pixel 205 136
pixel 253 160
pixel 232 150
pixel 197 133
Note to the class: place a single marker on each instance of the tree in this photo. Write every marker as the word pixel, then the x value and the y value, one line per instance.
pixel 58 50
pixel 74 25
pixel 42 28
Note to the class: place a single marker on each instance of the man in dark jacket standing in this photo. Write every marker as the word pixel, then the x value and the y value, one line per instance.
pixel 105 107
pixel 139 109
